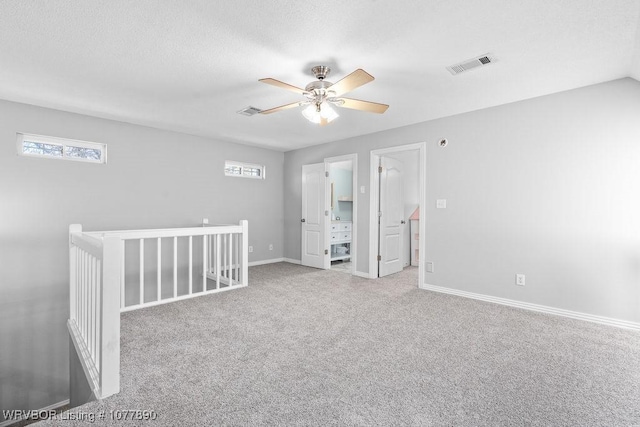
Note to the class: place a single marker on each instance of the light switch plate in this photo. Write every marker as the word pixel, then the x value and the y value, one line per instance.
pixel 441 203
pixel 362 189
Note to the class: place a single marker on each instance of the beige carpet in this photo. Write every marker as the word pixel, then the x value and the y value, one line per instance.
pixel 307 347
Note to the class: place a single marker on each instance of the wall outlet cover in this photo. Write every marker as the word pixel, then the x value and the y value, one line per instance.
pixel 520 279
pixel 441 203
pixel 250 249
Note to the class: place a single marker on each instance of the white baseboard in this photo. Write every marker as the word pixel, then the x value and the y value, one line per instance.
pixel 292 261
pixel 266 261
pixel 46 408
pixel 537 307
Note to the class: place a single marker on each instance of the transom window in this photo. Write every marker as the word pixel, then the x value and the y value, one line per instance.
pixel 59 148
pixel 244 170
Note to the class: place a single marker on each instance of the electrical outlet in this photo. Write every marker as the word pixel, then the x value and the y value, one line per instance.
pixel 520 279
pixel 271 246
pixel 205 220
pixel 250 249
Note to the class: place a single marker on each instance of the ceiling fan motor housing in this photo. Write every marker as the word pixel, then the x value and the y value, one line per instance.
pixel 319 85
pixel 318 90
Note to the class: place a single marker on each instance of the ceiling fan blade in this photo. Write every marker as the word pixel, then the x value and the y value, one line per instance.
pixel 354 80
pixel 283 85
pixel 356 104
pixel 280 108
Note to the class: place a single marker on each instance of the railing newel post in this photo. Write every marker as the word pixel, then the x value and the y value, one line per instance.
pixel 110 322
pixel 245 251
pixel 73 272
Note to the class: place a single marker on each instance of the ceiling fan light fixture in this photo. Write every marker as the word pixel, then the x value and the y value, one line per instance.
pixel 311 114
pixel 316 112
pixel 328 113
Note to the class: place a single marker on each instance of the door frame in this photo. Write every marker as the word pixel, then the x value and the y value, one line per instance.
pixel 374 201
pixel 354 214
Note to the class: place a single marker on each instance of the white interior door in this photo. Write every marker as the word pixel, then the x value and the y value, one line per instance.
pixel 392 220
pixel 314 216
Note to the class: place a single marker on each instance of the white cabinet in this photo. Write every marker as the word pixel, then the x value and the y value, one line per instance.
pixel 340 240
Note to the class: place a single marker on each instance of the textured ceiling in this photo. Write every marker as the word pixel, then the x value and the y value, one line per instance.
pixel 190 65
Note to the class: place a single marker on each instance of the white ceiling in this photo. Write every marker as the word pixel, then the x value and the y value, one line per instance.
pixel 190 65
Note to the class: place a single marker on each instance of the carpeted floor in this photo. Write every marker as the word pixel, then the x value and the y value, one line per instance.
pixel 307 347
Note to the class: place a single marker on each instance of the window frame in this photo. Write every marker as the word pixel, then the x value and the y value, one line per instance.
pixel 64 143
pixel 242 166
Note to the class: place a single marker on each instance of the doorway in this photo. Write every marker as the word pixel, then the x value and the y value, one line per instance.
pixel 329 214
pixel 397 199
pixel 315 179
pixel 342 230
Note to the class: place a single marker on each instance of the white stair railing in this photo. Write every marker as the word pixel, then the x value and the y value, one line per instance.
pixel 94 321
pixel 98 285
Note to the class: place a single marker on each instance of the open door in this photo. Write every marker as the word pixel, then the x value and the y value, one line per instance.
pixel 314 216
pixel 391 229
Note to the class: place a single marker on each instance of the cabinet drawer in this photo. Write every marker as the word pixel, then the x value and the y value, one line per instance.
pixel 345 226
pixel 335 227
pixel 341 236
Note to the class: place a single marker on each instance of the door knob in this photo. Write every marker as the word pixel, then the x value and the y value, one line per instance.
pixel 302 220
pixel 402 222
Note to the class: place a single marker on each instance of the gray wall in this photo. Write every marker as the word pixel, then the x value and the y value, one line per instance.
pixel 79 388
pixel 152 179
pixel 547 187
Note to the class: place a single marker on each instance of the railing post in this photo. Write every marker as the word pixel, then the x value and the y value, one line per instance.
pixel 218 267
pixel 245 251
pixel 110 318
pixel 73 279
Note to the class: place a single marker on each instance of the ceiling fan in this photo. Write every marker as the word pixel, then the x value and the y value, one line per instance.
pixel 321 94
